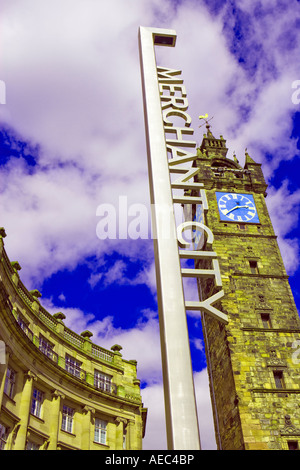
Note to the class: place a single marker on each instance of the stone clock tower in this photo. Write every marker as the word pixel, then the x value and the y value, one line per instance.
pixel 254 360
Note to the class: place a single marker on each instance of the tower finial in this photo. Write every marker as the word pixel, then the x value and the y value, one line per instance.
pixel 235 157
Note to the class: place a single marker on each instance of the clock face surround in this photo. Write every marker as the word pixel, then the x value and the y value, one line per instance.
pixel 237 207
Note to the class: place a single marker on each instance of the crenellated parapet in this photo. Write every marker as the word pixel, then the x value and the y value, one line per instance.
pixel 216 167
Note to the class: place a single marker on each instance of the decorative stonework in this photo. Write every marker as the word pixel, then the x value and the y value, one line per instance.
pixel 289 429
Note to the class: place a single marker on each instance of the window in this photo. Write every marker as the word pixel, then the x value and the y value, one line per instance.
pixel 293 445
pixel 24 325
pixel 266 320
pixel 3 436
pixel 242 226
pixel 253 267
pixel 67 419
pixel 278 376
pixel 100 431
pixel 217 173
pixel 10 382
pixel 32 446
pixel 36 403
pixel 73 366
pixel 47 349
pixel 102 381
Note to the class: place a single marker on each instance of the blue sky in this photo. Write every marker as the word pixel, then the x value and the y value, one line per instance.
pixel 72 139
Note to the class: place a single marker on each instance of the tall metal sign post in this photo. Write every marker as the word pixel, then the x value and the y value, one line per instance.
pixel 165 97
pixel 180 403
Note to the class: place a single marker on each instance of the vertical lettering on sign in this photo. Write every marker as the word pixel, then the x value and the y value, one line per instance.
pixel 174 103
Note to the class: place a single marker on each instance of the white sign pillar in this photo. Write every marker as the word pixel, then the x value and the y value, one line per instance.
pixel 180 403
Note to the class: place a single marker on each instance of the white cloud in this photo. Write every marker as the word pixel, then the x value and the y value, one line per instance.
pixel 56 219
pixel 198 343
pixel 75 318
pixel 147 276
pixel 251 108
pixel 118 274
pixel 204 408
pixel 153 398
pixel 76 92
pixel 115 273
pixel 73 86
pixel 78 81
pixel 62 297
pixel 140 343
pixel 284 206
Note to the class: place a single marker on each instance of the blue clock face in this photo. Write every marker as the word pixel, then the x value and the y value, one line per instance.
pixel 237 207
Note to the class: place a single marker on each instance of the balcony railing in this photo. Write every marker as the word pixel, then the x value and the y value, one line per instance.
pixel 102 353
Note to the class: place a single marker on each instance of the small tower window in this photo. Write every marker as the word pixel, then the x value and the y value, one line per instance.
pixel 253 267
pixel 266 320
pixel 278 376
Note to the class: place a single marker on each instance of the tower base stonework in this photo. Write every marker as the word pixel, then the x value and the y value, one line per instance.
pixel 252 361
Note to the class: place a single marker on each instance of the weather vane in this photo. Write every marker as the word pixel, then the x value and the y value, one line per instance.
pixel 205 116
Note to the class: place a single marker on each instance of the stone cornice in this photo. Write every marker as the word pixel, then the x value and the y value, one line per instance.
pixel 271 330
pixel 275 390
pixel 260 276
pixel 243 234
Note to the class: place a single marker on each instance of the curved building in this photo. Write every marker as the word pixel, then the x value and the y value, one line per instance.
pixel 59 390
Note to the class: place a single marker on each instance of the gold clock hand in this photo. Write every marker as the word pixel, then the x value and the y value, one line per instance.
pixel 231 209
pixel 236 207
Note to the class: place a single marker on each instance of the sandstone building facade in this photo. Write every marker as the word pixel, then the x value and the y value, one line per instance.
pixel 59 390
